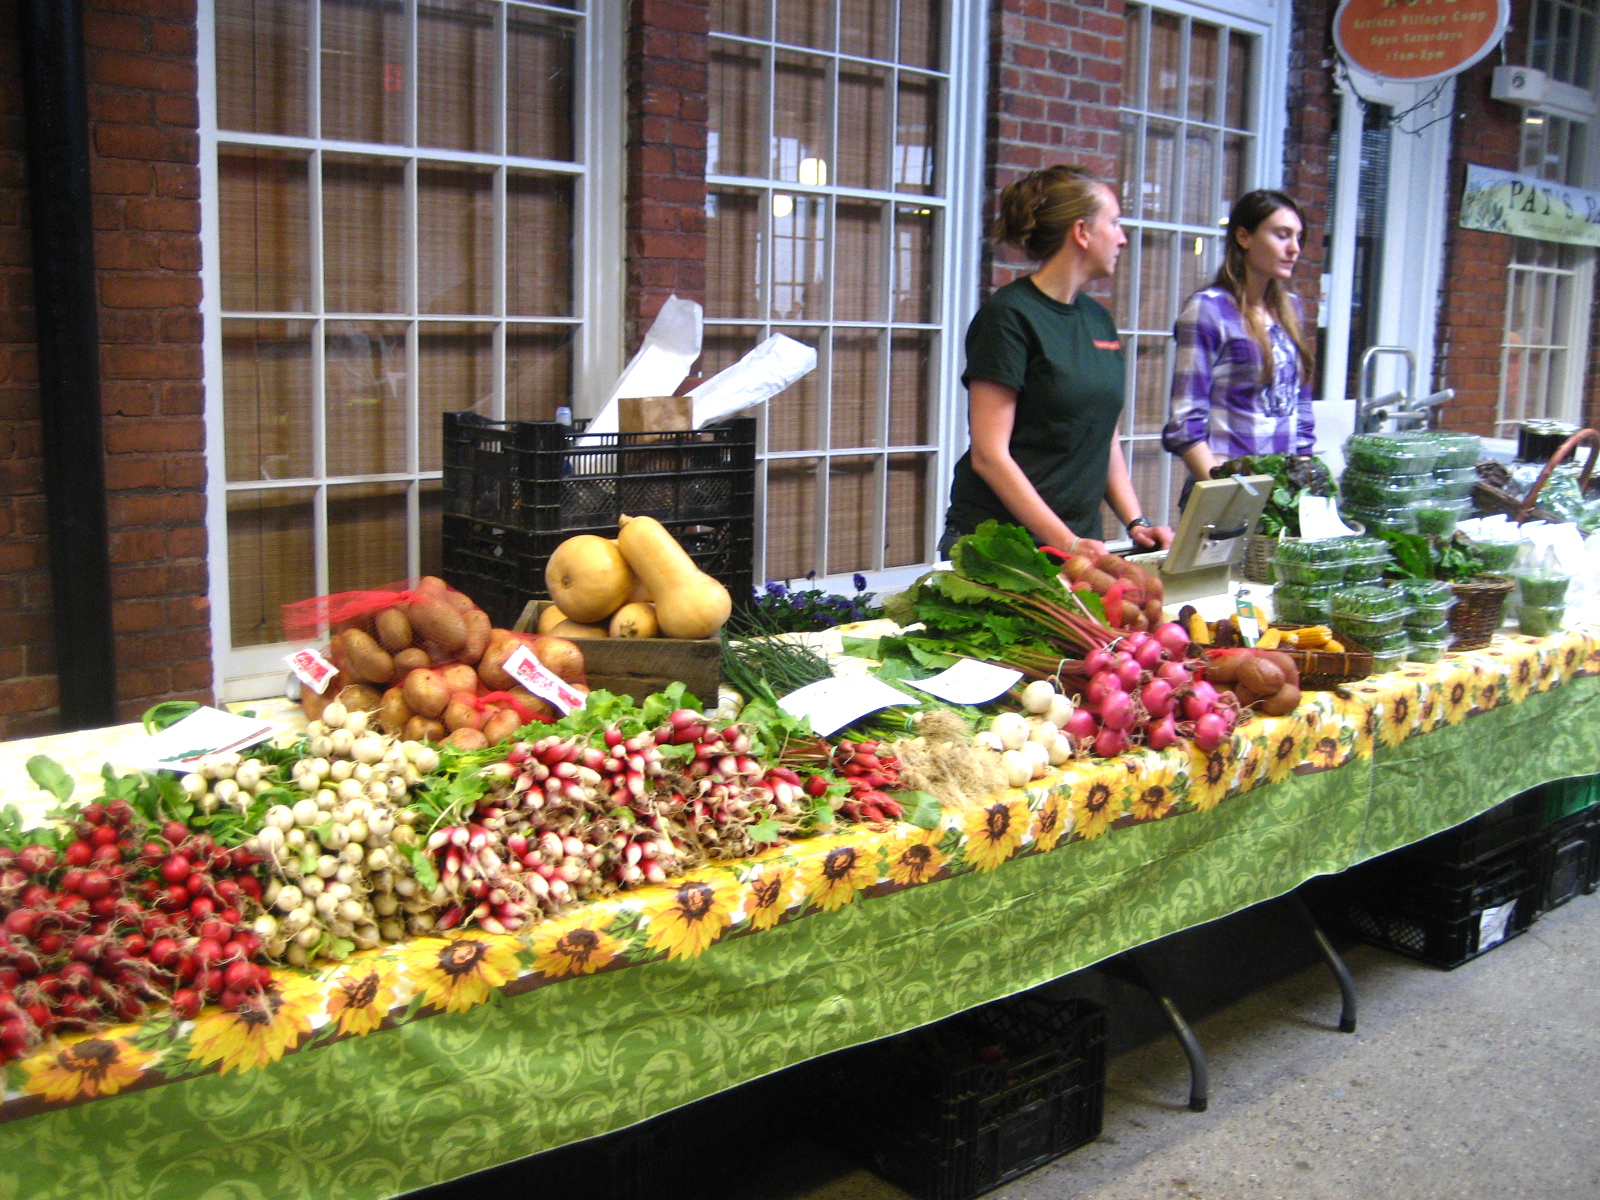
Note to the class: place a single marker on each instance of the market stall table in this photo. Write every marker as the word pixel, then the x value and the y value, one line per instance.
pixel 427 1060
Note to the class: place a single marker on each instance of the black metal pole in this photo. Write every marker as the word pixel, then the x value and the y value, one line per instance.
pixel 56 115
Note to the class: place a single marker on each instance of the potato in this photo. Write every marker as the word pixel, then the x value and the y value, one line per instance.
pixel 468 739
pixel 491 667
pixel 393 712
pixel 478 629
pixel 459 677
pixel 358 695
pixel 1098 580
pixel 368 660
pixel 1152 611
pixel 1285 663
pixel 1130 614
pixel 312 703
pixel 460 601
pixel 633 621
pixel 562 658
pixel 462 713
pixel 424 729
pixel 426 692
pixel 394 630
pixel 576 629
pixel 1114 565
pixel 1223 668
pixel 501 724
pixel 437 622
pixel 550 618
pixel 1077 567
pixel 537 705
pixel 1283 702
pixel 429 588
pixel 1260 676
pixel 410 659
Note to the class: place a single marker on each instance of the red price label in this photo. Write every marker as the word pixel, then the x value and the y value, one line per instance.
pixel 537 678
pixel 312 669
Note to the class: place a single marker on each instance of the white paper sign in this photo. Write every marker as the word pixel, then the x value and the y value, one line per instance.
pixel 834 703
pixel 205 731
pixel 1319 519
pixel 538 679
pixel 968 682
pixel 1494 924
pixel 311 669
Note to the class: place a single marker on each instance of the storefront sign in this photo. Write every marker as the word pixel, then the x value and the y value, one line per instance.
pixel 1524 206
pixel 1417 41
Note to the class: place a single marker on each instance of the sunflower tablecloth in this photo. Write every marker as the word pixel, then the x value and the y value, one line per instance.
pixel 426 1061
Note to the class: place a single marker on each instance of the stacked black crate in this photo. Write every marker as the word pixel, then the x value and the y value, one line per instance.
pixel 1568 863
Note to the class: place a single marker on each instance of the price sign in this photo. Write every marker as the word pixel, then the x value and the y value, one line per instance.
pixel 311 669
pixel 538 679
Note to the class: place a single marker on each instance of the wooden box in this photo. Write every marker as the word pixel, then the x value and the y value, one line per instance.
pixel 639 667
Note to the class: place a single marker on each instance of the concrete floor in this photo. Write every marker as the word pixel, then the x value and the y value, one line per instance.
pixel 1481 1083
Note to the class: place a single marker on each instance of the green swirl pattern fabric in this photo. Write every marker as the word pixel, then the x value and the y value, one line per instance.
pixel 433 1059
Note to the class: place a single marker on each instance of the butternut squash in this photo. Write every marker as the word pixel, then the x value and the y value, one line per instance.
pixel 689 603
pixel 588 578
pixel 550 618
pixel 634 621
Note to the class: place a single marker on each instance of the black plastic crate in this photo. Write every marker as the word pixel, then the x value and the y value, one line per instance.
pixel 1432 939
pixel 1568 859
pixel 543 476
pixel 1499 829
pixel 502 568
pixel 957 1108
pixel 1443 889
pixel 1565 797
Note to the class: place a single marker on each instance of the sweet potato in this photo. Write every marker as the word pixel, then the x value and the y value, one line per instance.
pixel 425 729
pixel 394 630
pixel 467 738
pixel 393 712
pixel 1224 668
pixel 1283 702
pixel 426 693
pixel 478 630
pixel 501 724
pixel 462 713
pixel 1285 663
pixel 459 677
pixel 1260 676
pixel 368 660
pixel 437 622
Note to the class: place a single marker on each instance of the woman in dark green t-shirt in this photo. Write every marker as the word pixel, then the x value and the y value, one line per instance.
pixel 1045 377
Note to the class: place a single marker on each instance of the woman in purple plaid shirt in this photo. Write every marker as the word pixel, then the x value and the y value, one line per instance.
pixel 1242 381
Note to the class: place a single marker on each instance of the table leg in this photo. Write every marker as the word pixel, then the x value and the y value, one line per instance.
pixel 1126 968
pixel 1341 973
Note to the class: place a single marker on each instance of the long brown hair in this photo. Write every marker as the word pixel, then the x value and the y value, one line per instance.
pixel 1040 209
pixel 1248 213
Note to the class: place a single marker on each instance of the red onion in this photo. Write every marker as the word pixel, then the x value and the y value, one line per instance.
pixel 1209 730
pixel 1158 735
pixel 1173 636
pixel 1156 696
pixel 1118 712
pixel 1106 683
pixel 1110 742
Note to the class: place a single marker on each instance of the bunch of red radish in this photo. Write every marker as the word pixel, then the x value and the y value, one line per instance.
pixel 867 770
pixel 1144 689
pixel 119 921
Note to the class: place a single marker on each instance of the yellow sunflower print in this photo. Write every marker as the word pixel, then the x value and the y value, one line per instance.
pixel 1250 767
pixel 261 1034
pixel 1489 689
pixel 1095 805
pixel 915 857
pixel 363 994
pixel 691 913
pixel 1361 716
pixel 1326 750
pixel 1286 749
pixel 769 893
pixel 1397 716
pixel 1153 797
pixel 1521 676
pixel 1211 775
pixel 832 878
pixel 83 1066
pixel 1052 822
pixel 459 972
pixel 1456 700
pixel 995 832
pixel 573 946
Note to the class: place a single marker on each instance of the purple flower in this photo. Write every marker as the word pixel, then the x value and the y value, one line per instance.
pixel 774 588
pixel 861 582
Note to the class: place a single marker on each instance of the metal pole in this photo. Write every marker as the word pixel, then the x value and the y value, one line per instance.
pixel 56 131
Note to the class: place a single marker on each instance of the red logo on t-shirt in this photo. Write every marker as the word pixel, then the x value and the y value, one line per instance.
pixel 1113 345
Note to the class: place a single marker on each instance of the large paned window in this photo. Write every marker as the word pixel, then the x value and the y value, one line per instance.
pixel 1190 132
pixel 1548 286
pixel 398 215
pixel 828 212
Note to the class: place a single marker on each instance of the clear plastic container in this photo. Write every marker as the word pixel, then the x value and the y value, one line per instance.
pixel 1540 620
pixel 1297 561
pixel 1382 520
pixel 1367 613
pixel 1389 650
pixel 1302 603
pixel 1456 451
pixel 1454 483
pixel 1387 454
pixel 1541 588
pixel 1497 556
pixel 1431 599
pixel 1384 491
pixel 1426 625
pixel 1427 648
pixel 1439 517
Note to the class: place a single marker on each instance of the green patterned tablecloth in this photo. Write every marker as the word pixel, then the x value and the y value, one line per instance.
pixel 555 1057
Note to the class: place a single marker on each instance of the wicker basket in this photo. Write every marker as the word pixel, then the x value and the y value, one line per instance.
pixel 1478 611
pixel 1322 670
pixel 1258 558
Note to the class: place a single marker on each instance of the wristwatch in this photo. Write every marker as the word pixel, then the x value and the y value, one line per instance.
pixel 1135 523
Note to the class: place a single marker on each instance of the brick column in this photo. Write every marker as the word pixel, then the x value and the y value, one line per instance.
pixel 666 207
pixel 1313 107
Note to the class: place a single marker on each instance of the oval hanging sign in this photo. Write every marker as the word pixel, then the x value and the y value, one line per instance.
pixel 1418 41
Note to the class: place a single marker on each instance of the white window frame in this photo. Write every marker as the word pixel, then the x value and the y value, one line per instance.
pixel 1269 24
pixel 254 672
pixel 954 284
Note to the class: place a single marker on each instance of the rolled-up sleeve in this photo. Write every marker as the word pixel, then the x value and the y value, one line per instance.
pixel 1198 340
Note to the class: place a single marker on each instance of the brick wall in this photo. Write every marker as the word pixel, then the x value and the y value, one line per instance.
pixel 144 156
pixel 668 53
pixel 1055 83
pixel 1312 111
pixel 1472 308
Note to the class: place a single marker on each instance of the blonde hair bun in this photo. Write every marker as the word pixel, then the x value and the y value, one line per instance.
pixel 1040 209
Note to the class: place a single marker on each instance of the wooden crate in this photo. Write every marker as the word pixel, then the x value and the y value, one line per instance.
pixel 639 667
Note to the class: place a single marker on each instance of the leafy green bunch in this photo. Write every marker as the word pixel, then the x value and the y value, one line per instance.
pixel 1426 556
pixel 1292 477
